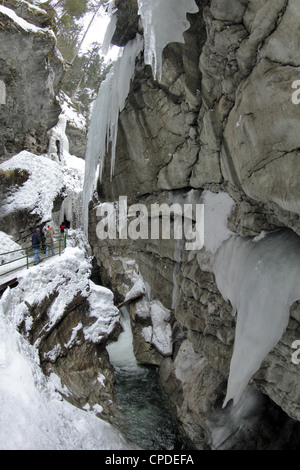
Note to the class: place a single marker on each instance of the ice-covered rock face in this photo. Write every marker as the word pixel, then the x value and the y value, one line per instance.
pixel 114 91
pixel 219 119
pixel 31 82
pixel 158 32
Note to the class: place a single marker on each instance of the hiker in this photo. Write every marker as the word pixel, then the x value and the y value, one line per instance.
pixel 62 228
pixel 36 241
pixel 49 241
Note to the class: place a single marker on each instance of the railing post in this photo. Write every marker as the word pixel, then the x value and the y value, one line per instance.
pixel 27 257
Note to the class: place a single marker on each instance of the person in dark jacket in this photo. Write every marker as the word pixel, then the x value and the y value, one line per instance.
pixel 36 241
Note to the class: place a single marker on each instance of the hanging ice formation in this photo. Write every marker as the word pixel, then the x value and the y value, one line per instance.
pixel 260 277
pixel 104 122
pixel 163 22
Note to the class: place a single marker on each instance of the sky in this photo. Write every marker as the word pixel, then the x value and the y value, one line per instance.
pixel 97 34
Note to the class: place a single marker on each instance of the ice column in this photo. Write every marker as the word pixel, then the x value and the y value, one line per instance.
pixel 260 277
pixel 163 22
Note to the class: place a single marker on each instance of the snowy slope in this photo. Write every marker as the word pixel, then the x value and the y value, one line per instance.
pixel 33 415
pixel 39 191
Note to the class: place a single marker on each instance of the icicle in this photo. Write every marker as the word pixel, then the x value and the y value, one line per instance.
pixel 108 35
pixel 260 277
pixel 104 123
pixel 163 22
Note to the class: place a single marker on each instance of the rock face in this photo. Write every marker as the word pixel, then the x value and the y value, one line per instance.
pixel 29 82
pixel 221 120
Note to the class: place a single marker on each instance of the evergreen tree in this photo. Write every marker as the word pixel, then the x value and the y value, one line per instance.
pixel 85 77
pixel 86 71
pixel 70 31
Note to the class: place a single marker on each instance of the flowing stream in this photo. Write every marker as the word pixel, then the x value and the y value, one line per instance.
pixel 146 420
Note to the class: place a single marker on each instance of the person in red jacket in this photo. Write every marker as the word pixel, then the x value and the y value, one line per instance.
pixel 62 228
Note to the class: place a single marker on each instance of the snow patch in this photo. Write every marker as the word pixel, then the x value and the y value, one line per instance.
pixel 27 396
pixel 106 314
pixel 23 23
pixel 8 245
pixel 34 196
pixel 161 334
pixel 73 117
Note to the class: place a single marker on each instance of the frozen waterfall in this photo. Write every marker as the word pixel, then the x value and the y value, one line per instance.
pixel 104 123
pixel 163 22
pixel 260 277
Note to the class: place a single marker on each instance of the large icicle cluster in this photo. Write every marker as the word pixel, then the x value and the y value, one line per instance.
pixel 163 22
pixel 260 277
pixel 104 123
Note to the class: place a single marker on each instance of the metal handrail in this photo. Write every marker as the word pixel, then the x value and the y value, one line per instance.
pixel 29 253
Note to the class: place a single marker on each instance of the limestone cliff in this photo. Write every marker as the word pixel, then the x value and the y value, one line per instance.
pixel 31 70
pixel 220 120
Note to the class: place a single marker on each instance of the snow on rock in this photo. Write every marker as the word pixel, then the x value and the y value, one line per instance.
pixel 27 396
pixel 160 334
pixel 34 195
pixel 23 23
pixel 217 208
pixel 32 7
pixel 132 272
pixel 71 269
pixel 106 314
pixel 58 142
pixel 66 275
pixel 57 173
pixel 73 117
pixel 104 122
pixel 74 173
pixel 260 278
pixel 137 288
